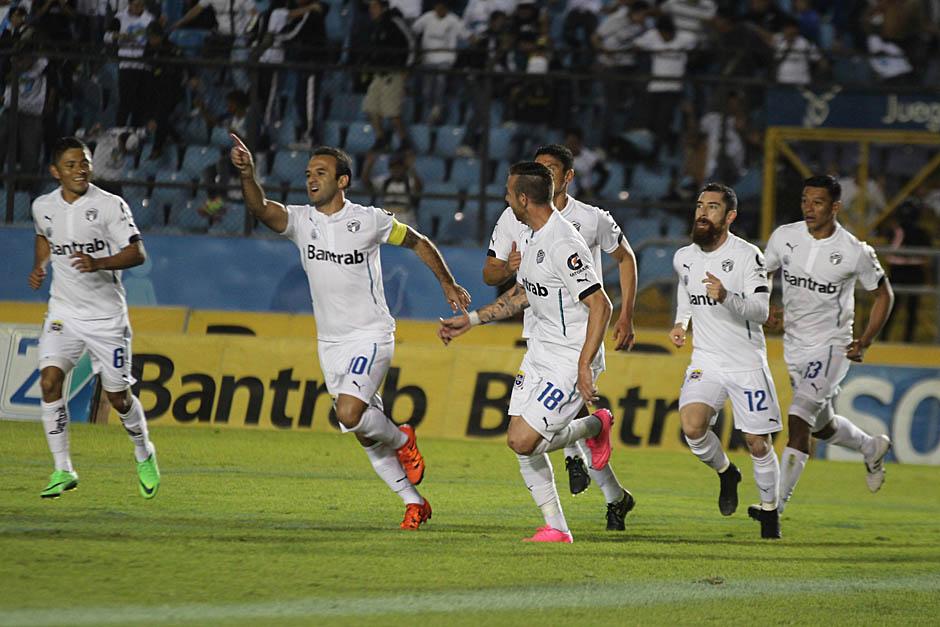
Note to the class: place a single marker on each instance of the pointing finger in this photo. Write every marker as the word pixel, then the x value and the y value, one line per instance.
pixel 238 142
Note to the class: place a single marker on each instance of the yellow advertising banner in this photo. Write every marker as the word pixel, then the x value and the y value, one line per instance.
pixel 451 392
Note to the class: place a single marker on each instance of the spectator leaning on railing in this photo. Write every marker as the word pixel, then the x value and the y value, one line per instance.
pixel 391 48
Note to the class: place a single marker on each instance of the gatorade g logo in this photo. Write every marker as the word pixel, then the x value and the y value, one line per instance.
pixel 574 262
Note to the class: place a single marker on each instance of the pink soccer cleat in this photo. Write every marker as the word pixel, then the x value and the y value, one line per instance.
pixel 550 534
pixel 600 444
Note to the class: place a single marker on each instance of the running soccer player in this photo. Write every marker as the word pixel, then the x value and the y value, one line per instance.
pixel 89 236
pixel 600 232
pixel 339 250
pixel 723 290
pixel 820 263
pixel 570 312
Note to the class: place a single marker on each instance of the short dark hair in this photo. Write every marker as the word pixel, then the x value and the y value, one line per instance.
pixel 66 143
pixel 343 160
pixel 727 195
pixel 827 182
pixel 562 153
pixel 534 180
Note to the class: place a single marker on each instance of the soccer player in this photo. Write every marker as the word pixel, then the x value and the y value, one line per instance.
pixel 600 232
pixel 339 250
pixel 820 263
pixel 89 236
pixel 723 290
pixel 570 312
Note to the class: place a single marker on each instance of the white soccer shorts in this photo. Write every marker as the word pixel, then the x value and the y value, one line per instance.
pixel 752 395
pixel 815 377
pixel 545 392
pixel 108 341
pixel 356 368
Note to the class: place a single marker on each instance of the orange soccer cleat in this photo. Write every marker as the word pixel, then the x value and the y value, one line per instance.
pixel 415 515
pixel 410 457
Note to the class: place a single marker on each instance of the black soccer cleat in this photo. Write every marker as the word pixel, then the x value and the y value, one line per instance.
pixel 769 520
pixel 578 477
pixel 617 512
pixel 728 497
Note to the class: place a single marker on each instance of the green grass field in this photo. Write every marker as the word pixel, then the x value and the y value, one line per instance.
pixel 259 528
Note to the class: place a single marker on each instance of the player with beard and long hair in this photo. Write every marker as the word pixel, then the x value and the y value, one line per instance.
pixel 723 290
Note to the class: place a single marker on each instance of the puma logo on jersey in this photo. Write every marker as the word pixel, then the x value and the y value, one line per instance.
pixel 791 246
pixel 809 283
pixel 346 259
pixel 702 299
pixel 535 288
pixel 77 247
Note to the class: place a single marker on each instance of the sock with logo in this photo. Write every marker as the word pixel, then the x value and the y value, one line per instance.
pixel 605 479
pixel 388 468
pixel 135 423
pixel 577 429
pixel 708 449
pixel 375 425
pixel 767 477
pixel 792 463
pixel 848 435
pixel 537 473
pixel 55 422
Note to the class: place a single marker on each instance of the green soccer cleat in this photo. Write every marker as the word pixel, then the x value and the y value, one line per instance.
pixel 148 474
pixel 59 482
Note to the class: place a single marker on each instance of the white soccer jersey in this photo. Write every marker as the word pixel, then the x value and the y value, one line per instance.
pixel 718 333
pixel 99 224
pixel 596 226
pixel 340 254
pixel 818 277
pixel 557 272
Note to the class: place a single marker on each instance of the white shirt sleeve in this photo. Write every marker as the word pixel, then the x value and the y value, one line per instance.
pixel 291 228
pixel 503 236
pixel 868 268
pixel 753 303
pixel 573 262
pixel 384 222
pixel 772 254
pixel 609 234
pixel 683 308
pixel 120 224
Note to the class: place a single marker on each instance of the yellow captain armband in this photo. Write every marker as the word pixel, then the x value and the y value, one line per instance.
pixel 399 230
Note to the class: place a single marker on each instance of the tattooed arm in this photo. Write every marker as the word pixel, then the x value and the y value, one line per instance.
pixel 507 305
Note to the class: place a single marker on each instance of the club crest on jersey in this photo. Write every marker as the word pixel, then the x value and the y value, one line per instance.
pixel 353 225
pixel 91 214
pixel 835 258
pixel 520 379
pixel 314 233
pixel 540 256
pixel 574 262
pixel 55 326
pixel 727 265
pixel 695 375
pixel 577 226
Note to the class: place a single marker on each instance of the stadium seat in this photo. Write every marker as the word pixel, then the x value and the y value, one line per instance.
pixel 430 169
pixel 615 183
pixel 289 166
pixel 148 167
pixel 500 173
pixel 333 133
pixel 465 173
pixel 297 197
pixel 441 187
pixel 494 209
pixel 347 107
pixel 220 137
pixel 232 222
pixel 196 131
pixel 360 138
pixel 420 135
pixel 196 159
pixel 22 207
pixel 163 197
pixel 136 198
pixel 190 40
pixel 638 229
pixel 649 184
pixel 459 228
pixel 655 265
pixel 434 213
pixel 449 138
pixel 282 134
pixel 750 185
pixel 852 69
pixel 501 142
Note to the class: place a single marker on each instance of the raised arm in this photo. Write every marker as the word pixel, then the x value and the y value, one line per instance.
pixel 41 254
pixel 272 214
pixel 457 297
pixel 880 310
pixel 626 266
pixel 508 304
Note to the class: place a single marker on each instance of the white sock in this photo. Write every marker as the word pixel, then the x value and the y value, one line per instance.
pixel 577 429
pixel 573 450
pixel 605 479
pixel 377 426
pixel 388 468
pixel 537 473
pixel 767 477
pixel 708 449
pixel 849 436
pixel 55 422
pixel 791 467
pixel 135 423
